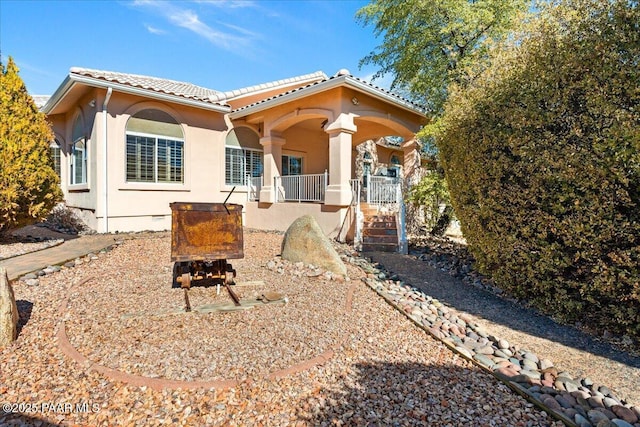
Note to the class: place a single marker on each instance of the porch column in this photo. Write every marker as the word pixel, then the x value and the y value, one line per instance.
pixel 272 164
pixel 340 146
pixel 411 158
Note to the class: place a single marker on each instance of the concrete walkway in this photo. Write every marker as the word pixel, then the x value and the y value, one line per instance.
pixel 69 250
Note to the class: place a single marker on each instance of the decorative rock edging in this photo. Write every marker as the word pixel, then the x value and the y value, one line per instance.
pixel 575 402
pixel 159 383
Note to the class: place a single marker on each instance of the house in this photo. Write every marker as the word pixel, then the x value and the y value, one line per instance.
pixel 126 146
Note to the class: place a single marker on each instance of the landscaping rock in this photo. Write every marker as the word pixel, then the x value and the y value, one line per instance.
pixel 8 311
pixel 596 416
pixel 620 423
pixel 305 242
pixel 624 413
pixel 32 282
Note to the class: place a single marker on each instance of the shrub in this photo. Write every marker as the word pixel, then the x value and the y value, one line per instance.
pixel 542 157
pixel 431 196
pixel 28 184
pixel 65 220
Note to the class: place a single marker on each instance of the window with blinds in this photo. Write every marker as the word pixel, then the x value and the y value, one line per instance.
pixel 242 162
pixel 78 166
pixel 243 156
pixel 56 158
pixel 78 158
pixel 153 159
pixel 155 148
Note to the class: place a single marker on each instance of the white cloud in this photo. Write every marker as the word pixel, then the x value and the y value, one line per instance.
pixel 231 4
pixel 240 29
pixel 154 30
pixel 188 19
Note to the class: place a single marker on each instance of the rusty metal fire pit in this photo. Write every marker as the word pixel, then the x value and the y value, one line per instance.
pixel 203 237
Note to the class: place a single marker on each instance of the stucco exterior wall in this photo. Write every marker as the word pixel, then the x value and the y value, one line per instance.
pixel 309 125
pixel 81 197
pixel 312 146
pixel 204 134
pixel 279 216
pixel 203 181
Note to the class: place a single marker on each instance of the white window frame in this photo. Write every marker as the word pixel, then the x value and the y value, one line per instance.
pixel 56 158
pixel 290 156
pixel 74 165
pixel 155 137
pixel 244 170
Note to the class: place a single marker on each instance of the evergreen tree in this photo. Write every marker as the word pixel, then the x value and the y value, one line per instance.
pixel 28 184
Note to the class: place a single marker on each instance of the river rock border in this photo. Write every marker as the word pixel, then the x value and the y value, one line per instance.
pixel 575 402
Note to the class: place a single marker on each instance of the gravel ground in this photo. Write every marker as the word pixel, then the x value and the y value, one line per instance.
pixel 384 370
pixel 10 250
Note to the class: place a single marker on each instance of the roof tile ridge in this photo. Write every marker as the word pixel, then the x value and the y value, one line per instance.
pixel 318 75
pixel 117 74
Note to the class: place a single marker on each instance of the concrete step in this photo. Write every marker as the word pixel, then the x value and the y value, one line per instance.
pixel 379 247
pixel 369 211
pixel 378 231
pixel 379 217
pixel 380 239
pixel 382 225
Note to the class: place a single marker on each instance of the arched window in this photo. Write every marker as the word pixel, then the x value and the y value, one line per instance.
pixel 78 159
pixel 155 148
pixel 243 156
pixel 395 160
pixel 55 157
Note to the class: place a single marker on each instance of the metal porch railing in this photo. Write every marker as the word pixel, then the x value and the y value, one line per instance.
pixel 254 185
pixel 301 188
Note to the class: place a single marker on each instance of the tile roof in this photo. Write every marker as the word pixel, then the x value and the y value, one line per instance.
pixel 341 73
pixel 210 96
pixel 306 78
pixel 154 84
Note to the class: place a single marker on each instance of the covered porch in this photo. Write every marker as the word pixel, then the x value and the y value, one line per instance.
pixel 307 142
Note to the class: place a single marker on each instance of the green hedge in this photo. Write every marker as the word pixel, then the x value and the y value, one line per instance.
pixel 542 157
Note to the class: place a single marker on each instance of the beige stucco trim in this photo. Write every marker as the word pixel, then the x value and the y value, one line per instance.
pixel 279 216
pixel 272 164
pixel 298 115
pixel 332 83
pixel 340 132
pixel 403 128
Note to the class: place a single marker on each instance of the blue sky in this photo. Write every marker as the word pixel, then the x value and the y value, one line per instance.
pixel 220 45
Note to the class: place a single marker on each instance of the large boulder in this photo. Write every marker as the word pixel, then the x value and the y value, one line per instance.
pixel 8 311
pixel 305 242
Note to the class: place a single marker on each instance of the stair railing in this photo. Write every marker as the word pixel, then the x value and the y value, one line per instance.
pixel 403 246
